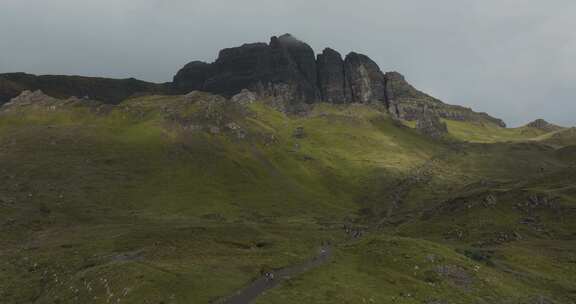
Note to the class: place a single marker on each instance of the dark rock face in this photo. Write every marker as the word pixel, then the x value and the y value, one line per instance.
pixel 332 77
pixel 239 68
pixel 302 55
pixel 284 69
pixel 365 79
pixel 110 91
pixel 287 70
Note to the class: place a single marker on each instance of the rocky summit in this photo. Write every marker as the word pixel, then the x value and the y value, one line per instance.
pixel 284 70
pixel 287 70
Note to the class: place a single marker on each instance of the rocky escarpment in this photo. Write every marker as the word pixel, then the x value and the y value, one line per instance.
pixel 542 124
pixel 285 70
pixel 107 90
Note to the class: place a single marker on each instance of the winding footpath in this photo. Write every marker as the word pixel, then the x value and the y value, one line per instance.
pixel 260 285
pixel 418 175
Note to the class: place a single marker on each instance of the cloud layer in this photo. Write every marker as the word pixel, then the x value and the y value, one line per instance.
pixel 512 58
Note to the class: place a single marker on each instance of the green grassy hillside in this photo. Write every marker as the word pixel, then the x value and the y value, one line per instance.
pixel 186 199
pixel 165 196
pixel 489 133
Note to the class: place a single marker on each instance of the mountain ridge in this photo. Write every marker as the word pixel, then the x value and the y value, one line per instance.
pixel 286 70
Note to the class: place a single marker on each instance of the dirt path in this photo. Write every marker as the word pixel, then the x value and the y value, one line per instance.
pixel 260 285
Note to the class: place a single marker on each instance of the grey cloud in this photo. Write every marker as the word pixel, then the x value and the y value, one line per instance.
pixel 511 58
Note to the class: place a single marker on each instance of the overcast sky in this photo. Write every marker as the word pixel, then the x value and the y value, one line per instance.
pixel 515 59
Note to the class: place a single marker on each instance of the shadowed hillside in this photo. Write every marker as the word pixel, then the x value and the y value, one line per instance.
pixel 188 198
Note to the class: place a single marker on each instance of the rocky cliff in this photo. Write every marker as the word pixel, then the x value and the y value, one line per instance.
pixel 285 70
pixel 332 80
pixel 408 103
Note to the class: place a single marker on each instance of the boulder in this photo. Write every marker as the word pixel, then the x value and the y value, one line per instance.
pixel 430 125
pixel 299 133
pixel 244 97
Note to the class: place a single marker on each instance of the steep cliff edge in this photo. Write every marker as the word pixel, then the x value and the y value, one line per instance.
pixel 287 70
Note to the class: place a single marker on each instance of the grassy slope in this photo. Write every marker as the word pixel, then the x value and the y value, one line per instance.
pixel 466 231
pixel 487 133
pixel 146 204
pixel 561 138
pixel 165 199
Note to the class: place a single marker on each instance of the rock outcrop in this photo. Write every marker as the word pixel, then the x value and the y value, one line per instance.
pixel 38 100
pixel 285 71
pixel 244 97
pixel 366 81
pixel 542 124
pixel 429 124
pixel 408 103
pixel 27 98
